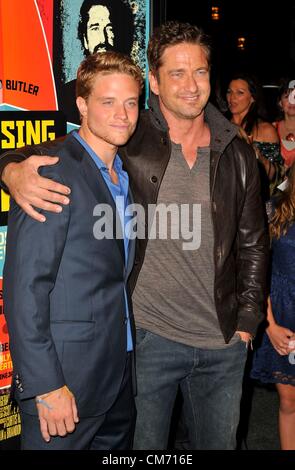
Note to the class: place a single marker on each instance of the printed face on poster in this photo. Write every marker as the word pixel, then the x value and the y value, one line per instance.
pixel 84 27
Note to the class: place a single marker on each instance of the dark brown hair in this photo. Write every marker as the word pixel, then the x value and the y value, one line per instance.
pixel 171 34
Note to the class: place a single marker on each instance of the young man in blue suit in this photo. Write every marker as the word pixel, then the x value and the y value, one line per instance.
pixel 67 303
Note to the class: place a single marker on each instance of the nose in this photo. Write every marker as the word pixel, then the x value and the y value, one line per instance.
pixel 191 83
pixel 100 36
pixel 121 112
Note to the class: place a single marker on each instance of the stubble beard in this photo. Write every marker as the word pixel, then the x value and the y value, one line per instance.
pixel 113 138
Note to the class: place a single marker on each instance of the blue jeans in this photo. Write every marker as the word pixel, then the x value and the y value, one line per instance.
pixel 211 385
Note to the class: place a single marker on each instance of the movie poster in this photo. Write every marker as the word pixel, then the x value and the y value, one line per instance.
pixel 26 83
pixel 17 128
pixel 9 418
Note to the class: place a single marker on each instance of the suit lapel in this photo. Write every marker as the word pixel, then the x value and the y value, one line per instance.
pixel 101 193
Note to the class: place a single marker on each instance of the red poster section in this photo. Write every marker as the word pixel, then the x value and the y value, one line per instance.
pixel 28 80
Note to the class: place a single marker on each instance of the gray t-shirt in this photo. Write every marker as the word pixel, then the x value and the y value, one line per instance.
pixel 174 294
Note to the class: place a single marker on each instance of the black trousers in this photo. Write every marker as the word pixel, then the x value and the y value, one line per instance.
pixel 111 431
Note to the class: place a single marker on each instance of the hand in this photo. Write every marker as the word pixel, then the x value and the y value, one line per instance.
pixel 30 189
pixel 58 413
pixel 280 338
pixel 246 337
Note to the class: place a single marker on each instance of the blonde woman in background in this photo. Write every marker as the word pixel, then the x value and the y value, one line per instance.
pixel 274 360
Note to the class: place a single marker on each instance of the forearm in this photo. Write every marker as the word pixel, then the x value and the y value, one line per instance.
pixel 252 255
pixel 6 159
pixel 19 155
pixel 22 178
pixel 252 285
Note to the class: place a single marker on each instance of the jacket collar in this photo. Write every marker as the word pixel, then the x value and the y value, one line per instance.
pixel 221 129
pixel 156 115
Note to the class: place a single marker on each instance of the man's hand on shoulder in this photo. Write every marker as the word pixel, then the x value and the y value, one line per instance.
pixel 30 190
pixel 58 413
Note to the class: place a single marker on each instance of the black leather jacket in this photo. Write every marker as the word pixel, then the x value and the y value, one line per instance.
pixel 241 240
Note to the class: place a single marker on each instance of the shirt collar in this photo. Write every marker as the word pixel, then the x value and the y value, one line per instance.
pixel 100 163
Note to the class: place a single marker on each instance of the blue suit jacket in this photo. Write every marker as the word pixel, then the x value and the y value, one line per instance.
pixel 64 293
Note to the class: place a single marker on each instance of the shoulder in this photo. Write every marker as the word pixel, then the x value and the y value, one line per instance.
pixel 241 146
pixel 50 147
pixel 67 149
pixel 266 133
pixel 243 157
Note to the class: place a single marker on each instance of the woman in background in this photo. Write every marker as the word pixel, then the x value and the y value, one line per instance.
pixel 274 360
pixel 245 103
pixel 285 125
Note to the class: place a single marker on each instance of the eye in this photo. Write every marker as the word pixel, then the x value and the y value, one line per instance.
pixel 202 72
pixel 176 74
pixel 132 104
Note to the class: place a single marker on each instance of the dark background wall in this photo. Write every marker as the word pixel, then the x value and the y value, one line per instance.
pixel 269 30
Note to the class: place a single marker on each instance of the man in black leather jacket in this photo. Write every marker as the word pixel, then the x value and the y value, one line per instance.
pixel 196 310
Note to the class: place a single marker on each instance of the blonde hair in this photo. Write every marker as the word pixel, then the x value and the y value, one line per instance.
pixel 104 63
pixel 284 215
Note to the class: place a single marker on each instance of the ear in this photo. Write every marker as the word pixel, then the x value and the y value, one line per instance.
pixel 154 84
pixel 82 106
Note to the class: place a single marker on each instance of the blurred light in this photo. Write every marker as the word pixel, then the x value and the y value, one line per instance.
pixel 241 43
pixel 215 13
